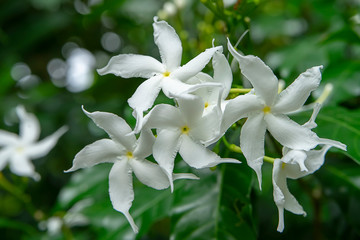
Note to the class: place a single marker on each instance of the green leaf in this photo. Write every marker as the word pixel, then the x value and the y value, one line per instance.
pixel 16 226
pixel 215 207
pixel 344 76
pixel 342 125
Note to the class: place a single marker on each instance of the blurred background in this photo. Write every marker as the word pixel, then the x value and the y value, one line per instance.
pixel 49 53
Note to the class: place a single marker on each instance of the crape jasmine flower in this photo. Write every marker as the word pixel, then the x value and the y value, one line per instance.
pixel 128 155
pixel 266 109
pixel 183 129
pixel 167 75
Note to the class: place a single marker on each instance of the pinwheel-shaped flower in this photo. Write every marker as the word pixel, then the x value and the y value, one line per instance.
pixel 167 75
pixel 296 164
pixel 128 155
pixel 183 130
pixel 18 150
pixel 265 109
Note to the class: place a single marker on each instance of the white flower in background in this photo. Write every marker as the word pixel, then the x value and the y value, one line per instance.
pixel 167 75
pixel 184 130
pixel 18 150
pixel 80 70
pixel 228 3
pixel 266 109
pixel 295 164
pixel 72 218
pixel 128 155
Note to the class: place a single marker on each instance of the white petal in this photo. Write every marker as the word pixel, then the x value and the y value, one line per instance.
pixel 5 154
pixel 101 151
pixel 252 139
pixel 29 125
pixel 115 127
pixel 200 78
pixel 332 143
pixel 208 128
pixel 282 197
pixel 259 74
pixel 132 65
pixel 222 72
pixel 22 166
pixel 43 147
pixel 144 144
pixel 121 190
pixel 281 225
pixel 164 151
pixel 311 123
pixel 174 88
pixel 150 173
pixel 145 94
pixel 315 159
pixel 164 116
pixel 177 176
pixel 295 95
pixel 169 44
pixel 210 95
pixel 195 65
pixel 144 98
pixel 238 108
pixel 290 134
pixel 296 157
pixel 198 156
pixel 279 198
pixel 191 109
pixel 8 138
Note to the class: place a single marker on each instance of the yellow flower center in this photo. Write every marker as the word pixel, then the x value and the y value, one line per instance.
pixel 206 104
pixel 129 155
pixel 283 165
pixel 20 149
pixel 266 109
pixel 185 130
pixel 166 74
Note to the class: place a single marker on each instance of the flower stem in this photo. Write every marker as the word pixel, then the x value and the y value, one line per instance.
pixel 325 94
pixel 240 90
pixel 231 147
pixel 237 149
pixel 269 159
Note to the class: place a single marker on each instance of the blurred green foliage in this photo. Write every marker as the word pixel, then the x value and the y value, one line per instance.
pixel 290 36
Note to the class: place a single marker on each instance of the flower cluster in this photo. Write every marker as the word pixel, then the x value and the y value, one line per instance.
pixel 201 116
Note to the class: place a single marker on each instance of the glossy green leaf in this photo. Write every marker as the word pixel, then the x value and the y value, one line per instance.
pixel 216 207
pixel 342 125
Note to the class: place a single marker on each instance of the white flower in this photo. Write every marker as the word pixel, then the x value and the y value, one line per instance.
pixel 184 130
pixel 215 97
pixel 167 75
pixel 265 109
pixel 295 164
pixel 18 150
pixel 72 218
pixel 128 155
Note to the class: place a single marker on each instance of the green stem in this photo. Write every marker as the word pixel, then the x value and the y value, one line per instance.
pixel 269 159
pixel 237 149
pixel 240 90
